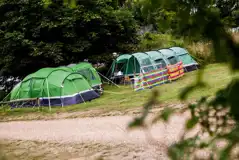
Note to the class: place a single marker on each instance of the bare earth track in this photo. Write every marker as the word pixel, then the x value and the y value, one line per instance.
pixel 88 138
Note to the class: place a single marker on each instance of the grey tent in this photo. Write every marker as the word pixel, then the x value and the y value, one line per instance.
pixel 182 54
pixel 159 60
pixel 169 55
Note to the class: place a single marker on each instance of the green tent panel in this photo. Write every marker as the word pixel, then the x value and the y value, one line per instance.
pixel 132 64
pixel 123 58
pixel 89 72
pixel 183 55
pixel 158 58
pixel 54 86
pixel 169 55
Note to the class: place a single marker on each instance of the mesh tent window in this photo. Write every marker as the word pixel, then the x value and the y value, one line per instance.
pixel 169 55
pixel 158 58
pixel 183 55
pixel 160 63
pixel 132 64
pixel 87 73
pixel 172 60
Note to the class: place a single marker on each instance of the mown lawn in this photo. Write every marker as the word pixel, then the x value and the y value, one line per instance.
pixel 216 76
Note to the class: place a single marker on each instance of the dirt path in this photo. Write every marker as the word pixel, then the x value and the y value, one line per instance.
pixel 108 132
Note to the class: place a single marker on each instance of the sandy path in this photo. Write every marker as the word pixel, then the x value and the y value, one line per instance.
pixel 108 131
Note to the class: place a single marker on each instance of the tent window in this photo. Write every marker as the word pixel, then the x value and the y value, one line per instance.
pixel 120 67
pixel 147 65
pixel 160 63
pixel 87 73
pixel 172 60
pixel 186 59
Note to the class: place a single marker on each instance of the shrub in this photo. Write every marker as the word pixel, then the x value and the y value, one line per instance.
pixel 2 95
pixel 150 41
pixel 201 52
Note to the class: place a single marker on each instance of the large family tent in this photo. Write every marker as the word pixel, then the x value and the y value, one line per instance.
pixel 89 72
pixel 52 87
pixel 130 65
pixel 159 60
pixel 169 55
pixel 188 62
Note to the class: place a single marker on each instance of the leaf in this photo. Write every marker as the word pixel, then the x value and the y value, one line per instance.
pixel 233 99
pixel 225 153
pixel 164 115
pixel 137 122
pixel 46 3
pixel 192 122
pixel 203 145
pixel 186 91
pixel 73 3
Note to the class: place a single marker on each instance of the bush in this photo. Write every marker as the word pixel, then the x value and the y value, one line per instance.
pixel 201 52
pixel 150 41
pixel 2 95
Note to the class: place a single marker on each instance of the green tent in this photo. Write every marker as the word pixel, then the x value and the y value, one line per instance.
pixel 183 55
pixel 169 55
pixel 89 72
pixel 54 87
pixel 133 64
pixel 158 58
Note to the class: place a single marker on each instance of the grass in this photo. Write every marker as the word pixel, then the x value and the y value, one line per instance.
pixel 216 76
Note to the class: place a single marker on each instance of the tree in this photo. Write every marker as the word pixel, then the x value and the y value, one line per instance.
pixel 162 19
pixel 229 11
pixel 218 116
pixel 33 36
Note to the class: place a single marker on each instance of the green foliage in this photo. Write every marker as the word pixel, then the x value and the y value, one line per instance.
pixel 139 121
pixel 166 113
pixel 164 20
pixel 2 95
pixel 33 35
pixel 152 41
pixel 201 52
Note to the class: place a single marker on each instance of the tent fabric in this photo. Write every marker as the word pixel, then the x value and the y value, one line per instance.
pixel 132 64
pixel 53 83
pixel 145 62
pixel 169 55
pixel 89 72
pixel 123 58
pixel 158 58
pixel 150 80
pixel 183 55
pixel 175 71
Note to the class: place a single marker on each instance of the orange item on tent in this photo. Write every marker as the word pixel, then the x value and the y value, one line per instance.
pixel 175 71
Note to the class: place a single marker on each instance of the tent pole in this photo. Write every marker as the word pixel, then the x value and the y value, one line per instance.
pixel 8 95
pixel 62 104
pixel 79 93
pixel 82 98
pixel 127 66
pixel 108 80
pixel 110 69
pixel 143 75
pixel 48 92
